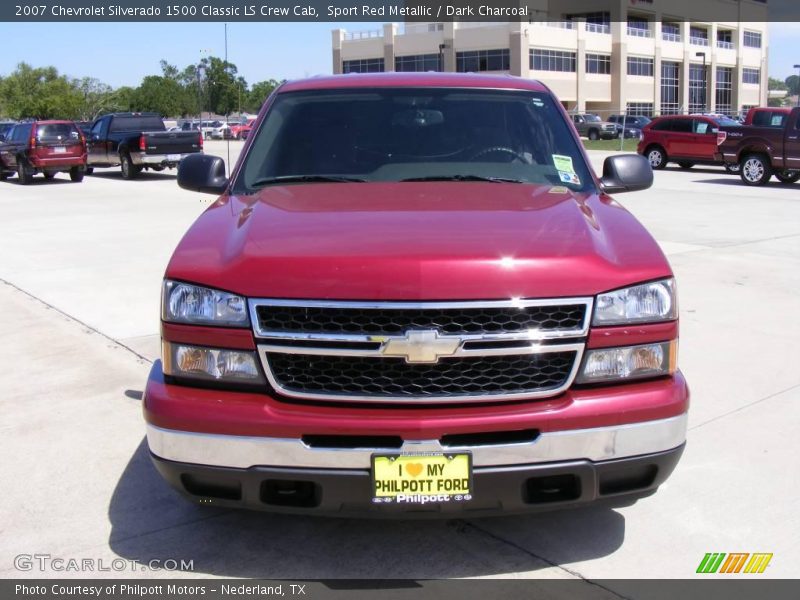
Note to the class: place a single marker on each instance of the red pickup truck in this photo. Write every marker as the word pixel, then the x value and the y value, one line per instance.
pixel 412 297
pixel 764 151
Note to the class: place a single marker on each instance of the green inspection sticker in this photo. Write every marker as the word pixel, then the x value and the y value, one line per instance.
pixel 563 163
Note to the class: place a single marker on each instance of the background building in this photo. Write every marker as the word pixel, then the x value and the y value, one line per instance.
pixel 633 58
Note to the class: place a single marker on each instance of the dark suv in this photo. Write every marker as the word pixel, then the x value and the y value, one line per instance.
pixel 633 125
pixel 46 147
pixel 685 139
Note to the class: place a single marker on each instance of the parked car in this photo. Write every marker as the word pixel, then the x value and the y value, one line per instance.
pixel 241 131
pixel 764 151
pixel 594 128
pixel 46 147
pixel 763 116
pixel 85 127
pixel 685 139
pixel 213 130
pixel 5 126
pixel 633 125
pixel 137 141
pixel 328 347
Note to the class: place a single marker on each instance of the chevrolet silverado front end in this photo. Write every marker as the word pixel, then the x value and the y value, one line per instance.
pixel 413 296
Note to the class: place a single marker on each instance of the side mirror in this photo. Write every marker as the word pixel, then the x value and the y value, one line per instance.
pixel 626 173
pixel 202 173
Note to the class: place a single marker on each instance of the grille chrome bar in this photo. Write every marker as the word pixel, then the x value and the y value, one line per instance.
pixel 283 389
pixel 529 334
pixel 509 343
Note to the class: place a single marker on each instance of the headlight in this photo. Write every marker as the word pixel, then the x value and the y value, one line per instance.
pixel 630 362
pixel 649 302
pixel 210 364
pixel 186 303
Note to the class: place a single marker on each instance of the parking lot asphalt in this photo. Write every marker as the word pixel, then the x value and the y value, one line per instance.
pixel 80 273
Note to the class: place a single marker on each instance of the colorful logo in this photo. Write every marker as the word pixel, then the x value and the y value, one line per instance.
pixel 735 562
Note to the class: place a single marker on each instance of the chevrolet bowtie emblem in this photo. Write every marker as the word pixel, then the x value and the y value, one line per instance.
pixel 421 346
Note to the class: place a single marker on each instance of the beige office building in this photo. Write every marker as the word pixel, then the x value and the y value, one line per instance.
pixel 634 57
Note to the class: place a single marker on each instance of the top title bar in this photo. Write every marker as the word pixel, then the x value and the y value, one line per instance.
pixel 385 11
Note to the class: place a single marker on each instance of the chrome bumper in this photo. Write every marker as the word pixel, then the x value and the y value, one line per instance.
pixel 159 159
pixel 597 444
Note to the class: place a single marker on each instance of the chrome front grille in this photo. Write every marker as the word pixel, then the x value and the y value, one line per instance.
pixel 420 352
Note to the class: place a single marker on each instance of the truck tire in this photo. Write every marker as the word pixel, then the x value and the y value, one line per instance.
pixel 657 157
pixel 24 173
pixel 755 169
pixel 4 175
pixel 594 135
pixel 89 171
pixel 685 165
pixel 787 177
pixel 76 174
pixel 129 170
pixel 49 175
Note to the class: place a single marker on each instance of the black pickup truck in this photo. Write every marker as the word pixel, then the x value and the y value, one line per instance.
pixel 762 152
pixel 137 141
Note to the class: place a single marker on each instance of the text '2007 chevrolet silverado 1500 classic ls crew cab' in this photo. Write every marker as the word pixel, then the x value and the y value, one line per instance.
pixel 412 297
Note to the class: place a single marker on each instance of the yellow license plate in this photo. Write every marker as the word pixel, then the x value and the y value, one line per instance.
pixel 421 478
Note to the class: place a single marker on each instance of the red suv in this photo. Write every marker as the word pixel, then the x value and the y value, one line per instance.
pixel 46 147
pixel 685 139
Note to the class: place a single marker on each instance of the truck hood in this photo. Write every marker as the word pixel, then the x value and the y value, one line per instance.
pixel 417 241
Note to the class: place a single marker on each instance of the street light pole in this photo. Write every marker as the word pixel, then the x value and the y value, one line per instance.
pixel 705 82
pixel 797 87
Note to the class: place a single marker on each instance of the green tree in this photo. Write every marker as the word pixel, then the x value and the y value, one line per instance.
pixel 97 97
pixel 40 93
pixel 793 84
pixel 159 94
pixel 259 92
pixel 776 84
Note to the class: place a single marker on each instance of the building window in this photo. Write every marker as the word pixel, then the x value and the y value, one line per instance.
pixel 697 89
pixel 752 39
pixel 671 32
pixel 725 39
pixel 552 60
pixel 596 22
pixel 670 88
pixel 363 65
pixel 483 60
pixel 751 76
pixel 638 27
pixel 418 62
pixel 640 109
pixel 643 67
pixel 724 93
pixel 598 63
pixel 698 36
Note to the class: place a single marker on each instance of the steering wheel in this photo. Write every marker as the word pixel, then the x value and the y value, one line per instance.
pixel 501 150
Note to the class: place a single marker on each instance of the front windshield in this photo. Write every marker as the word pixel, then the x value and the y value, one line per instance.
pixel 405 134
pixel 593 118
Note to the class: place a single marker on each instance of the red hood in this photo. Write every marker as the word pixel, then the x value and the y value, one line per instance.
pixel 417 241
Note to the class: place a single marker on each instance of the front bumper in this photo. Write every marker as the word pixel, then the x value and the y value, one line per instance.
pixel 247 449
pixel 500 490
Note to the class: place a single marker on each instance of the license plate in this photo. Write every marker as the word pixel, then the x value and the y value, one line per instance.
pixel 421 478
pixel 173 157
pixel 59 150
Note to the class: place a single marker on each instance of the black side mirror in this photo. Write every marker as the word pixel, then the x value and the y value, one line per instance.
pixel 626 173
pixel 202 173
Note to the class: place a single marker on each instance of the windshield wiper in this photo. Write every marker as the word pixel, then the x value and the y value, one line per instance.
pixel 306 179
pixel 464 178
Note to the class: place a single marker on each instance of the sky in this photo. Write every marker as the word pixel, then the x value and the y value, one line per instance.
pixel 259 50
